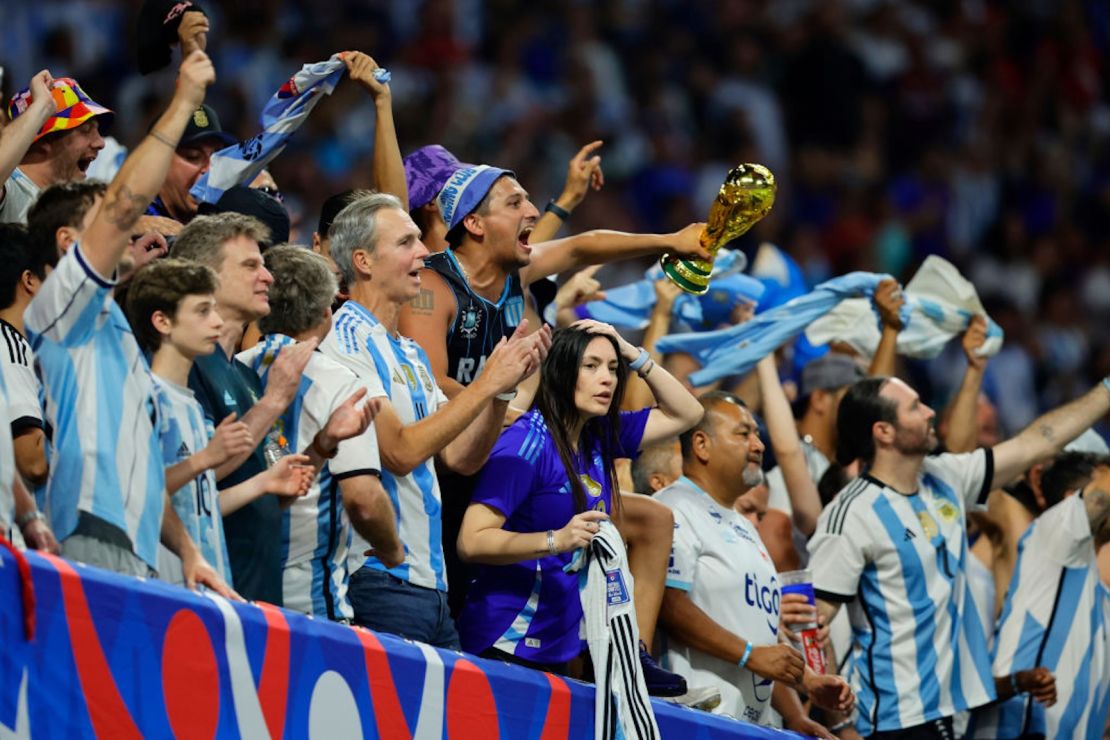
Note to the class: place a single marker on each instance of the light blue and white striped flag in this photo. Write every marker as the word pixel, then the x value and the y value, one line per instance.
pixel 240 163
pixel 736 350
pixel 942 303
pixel 630 306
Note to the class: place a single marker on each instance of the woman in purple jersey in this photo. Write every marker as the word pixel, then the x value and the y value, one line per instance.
pixel 549 480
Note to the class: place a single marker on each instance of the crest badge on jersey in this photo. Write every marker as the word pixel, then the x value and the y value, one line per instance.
pixel 948 512
pixel 470 322
pixel 928 524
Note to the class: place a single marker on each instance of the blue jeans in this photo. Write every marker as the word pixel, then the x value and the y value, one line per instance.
pixel 385 603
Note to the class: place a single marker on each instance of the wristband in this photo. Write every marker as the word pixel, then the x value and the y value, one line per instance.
pixel 1014 684
pixel 30 516
pixel 640 361
pixel 553 207
pixel 645 371
pixel 841 726
pixel 506 396
pixel 551 542
pixel 1106 383
pixel 159 136
pixel 747 654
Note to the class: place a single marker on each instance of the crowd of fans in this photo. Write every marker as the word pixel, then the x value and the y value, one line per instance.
pixel 351 387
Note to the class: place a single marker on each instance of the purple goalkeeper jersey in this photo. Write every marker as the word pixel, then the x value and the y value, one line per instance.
pixel 531 609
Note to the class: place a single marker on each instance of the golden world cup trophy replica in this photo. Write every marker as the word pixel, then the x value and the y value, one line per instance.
pixel 745 197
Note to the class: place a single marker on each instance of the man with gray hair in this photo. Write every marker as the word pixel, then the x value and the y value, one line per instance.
pixel 377 248
pixel 316 529
pixel 226 388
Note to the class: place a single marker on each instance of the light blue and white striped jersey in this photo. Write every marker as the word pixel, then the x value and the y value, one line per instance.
pixel 316 533
pixel 185 432
pixel 1056 615
pixel 899 562
pixel 99 401
pixel 398 369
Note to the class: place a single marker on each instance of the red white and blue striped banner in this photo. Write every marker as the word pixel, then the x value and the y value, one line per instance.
pixel 117 657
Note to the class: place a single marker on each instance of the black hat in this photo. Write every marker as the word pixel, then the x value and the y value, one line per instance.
pixel 257 203
pixel 156 32
pixel 205 124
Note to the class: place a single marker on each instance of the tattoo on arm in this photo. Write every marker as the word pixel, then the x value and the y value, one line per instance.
pixel 1047 432
pixel 424 302
pixel 123 208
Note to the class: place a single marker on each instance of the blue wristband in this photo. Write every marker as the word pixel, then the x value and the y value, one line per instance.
pixel 747 654
pixel 640 361
pixel 1106 383
pixel 1014 684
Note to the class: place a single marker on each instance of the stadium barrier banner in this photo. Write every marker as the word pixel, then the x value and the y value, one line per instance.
pixel 113 656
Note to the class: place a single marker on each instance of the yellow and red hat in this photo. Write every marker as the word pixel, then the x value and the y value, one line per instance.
pixel 74 107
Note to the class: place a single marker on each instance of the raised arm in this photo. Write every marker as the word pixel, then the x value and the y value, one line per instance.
pixel 18 135
pixel 801 487
pixel 639 394
pixel 389 169
pixel 677 408
pixel 889 300
pixel 143 172
pixel 601 246
pixel 583 172
pixel 962 428
pixel 1048 434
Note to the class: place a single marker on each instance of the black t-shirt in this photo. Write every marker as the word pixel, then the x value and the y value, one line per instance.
pixel 224 385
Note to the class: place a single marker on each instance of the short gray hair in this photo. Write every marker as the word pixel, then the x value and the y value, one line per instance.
pixel 356 227
pixel 304 288
pixel 204 238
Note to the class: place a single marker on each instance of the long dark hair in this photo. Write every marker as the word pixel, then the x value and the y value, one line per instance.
pixel 555 402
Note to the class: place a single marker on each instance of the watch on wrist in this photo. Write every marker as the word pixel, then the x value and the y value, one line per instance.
pixel 28 517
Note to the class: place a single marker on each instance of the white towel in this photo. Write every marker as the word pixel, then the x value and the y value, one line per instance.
pixel 942 303
pixel 623 707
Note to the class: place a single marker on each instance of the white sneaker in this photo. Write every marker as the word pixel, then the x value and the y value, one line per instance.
pixel 705 698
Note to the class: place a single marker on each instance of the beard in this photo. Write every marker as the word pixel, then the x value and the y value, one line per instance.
pixel 913 443
pixel 751 476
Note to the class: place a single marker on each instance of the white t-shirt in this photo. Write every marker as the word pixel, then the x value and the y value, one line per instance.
pixel 720 562
pixel 1056 615
pixel 899 562
pixel 18 197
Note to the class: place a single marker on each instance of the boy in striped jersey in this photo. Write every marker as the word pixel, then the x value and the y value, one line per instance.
pixel 893 547
pixel 1057 611
pixel 106 494
pixel 172 311
pixel 316 529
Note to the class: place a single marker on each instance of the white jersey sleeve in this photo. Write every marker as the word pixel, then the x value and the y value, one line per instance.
pixel 838 549
pixel 67 308
pixel 1063 534
pixel 685 550
pixel 17 363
